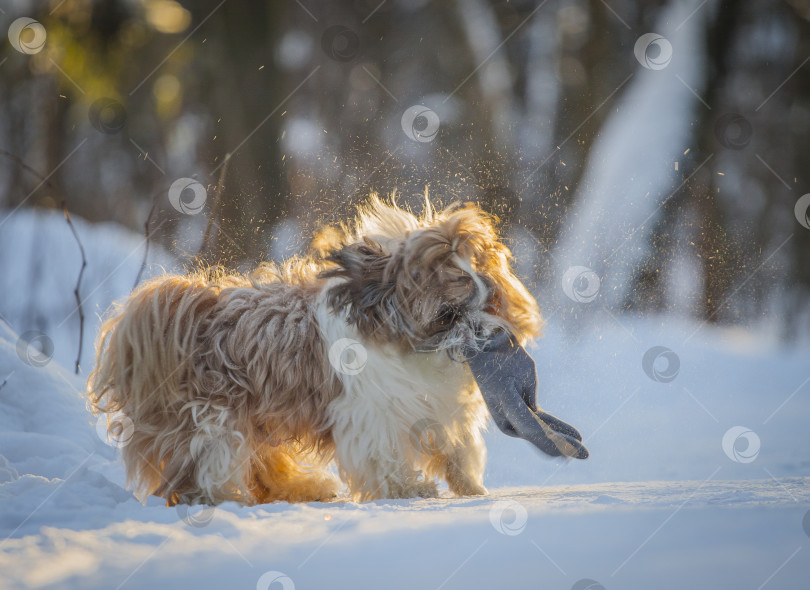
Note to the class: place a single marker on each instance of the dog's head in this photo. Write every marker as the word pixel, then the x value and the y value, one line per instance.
pixel 437 282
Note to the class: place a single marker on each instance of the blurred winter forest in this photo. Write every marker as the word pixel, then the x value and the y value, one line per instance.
pixel 632 174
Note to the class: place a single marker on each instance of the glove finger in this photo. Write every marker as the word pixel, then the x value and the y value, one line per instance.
pixel 557 444
pixel 531 428
pixel 558 425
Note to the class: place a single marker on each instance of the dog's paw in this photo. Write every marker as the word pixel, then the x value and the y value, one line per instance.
pixel 425 489
pixel 410 489
pixel 324 488
pixel 468 488
pixel 329 493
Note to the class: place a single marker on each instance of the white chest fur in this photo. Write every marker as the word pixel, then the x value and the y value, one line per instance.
pixel 403 418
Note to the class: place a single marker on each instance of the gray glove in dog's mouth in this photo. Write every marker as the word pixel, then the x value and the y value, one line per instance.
pixel 507 378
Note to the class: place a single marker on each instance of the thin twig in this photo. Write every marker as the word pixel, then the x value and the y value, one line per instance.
pixel 147 235
pixel 28 168
pixel 214 206
pixel 78 284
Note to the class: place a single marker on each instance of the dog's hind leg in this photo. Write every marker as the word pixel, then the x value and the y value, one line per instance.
pixel 194 466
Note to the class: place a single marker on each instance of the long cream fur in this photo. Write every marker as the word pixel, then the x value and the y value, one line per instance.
pixel 239 388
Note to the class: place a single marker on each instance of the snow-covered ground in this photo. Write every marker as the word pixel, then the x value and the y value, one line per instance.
pixel 659 504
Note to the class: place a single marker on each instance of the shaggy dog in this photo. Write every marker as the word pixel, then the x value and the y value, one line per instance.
pixel 246 387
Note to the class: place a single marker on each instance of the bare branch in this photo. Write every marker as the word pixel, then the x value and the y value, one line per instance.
pixel 78 284
pixel 28 168
pixel 147 234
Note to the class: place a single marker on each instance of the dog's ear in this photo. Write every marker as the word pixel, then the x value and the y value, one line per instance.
pixel 369 274
pixel 472 233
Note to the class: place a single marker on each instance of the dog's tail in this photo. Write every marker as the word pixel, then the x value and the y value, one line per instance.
pixel 143 378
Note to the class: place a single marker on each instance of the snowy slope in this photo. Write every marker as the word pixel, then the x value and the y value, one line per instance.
pixel 66 521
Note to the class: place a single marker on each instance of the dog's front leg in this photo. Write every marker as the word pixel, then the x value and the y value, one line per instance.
pixel 373 459
pixel 450 442
pixel 464 466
